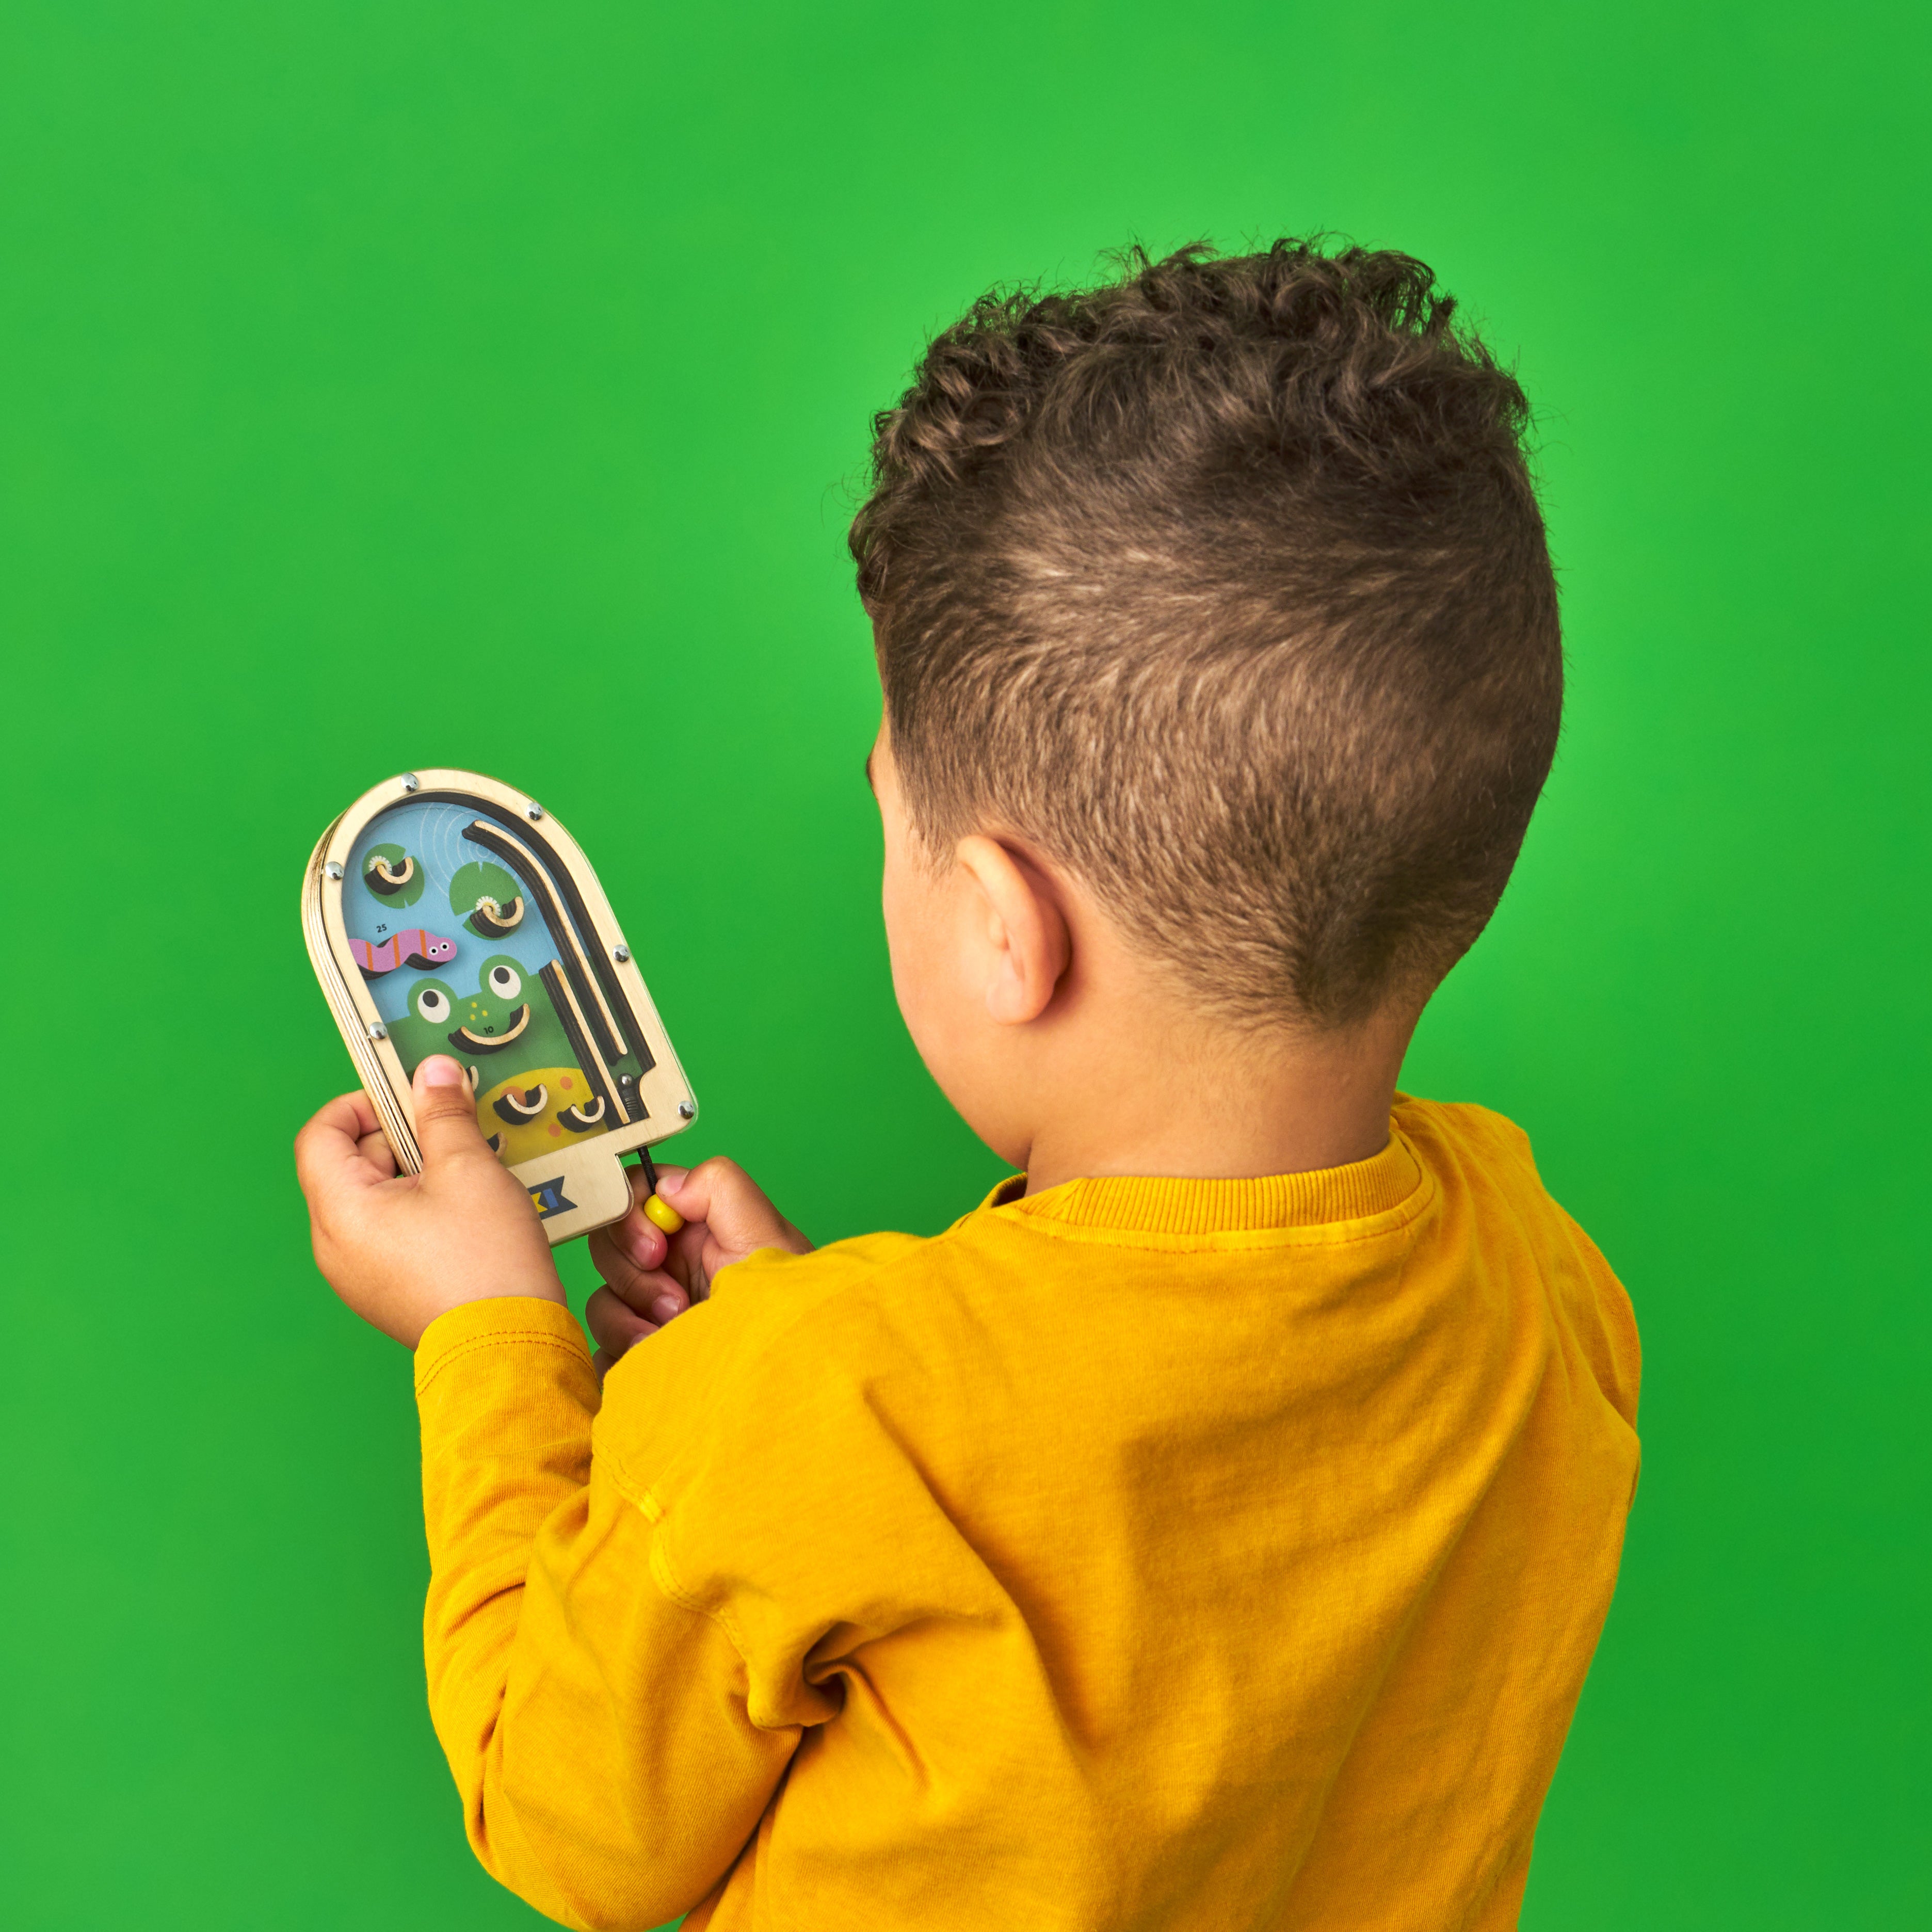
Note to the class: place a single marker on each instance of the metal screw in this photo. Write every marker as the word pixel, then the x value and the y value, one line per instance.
pixel 533 809
pixel 620 953
pixel 410 781
pixel 377 1030
pixel 686 1111
pixel 331 870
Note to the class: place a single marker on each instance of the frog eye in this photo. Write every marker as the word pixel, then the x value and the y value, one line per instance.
pixel 505 982
pixel 432 1003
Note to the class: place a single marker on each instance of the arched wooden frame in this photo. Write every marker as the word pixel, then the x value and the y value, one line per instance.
pixel 594 984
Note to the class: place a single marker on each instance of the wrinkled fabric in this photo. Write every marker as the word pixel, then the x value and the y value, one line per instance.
pixel 1141 1554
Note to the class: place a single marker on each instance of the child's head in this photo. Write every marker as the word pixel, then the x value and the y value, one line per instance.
pixel 1223 590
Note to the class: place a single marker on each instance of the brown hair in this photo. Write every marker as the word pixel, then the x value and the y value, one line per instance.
pixel 1224 584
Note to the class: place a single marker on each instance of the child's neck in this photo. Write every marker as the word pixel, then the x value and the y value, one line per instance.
pixel 1203 1102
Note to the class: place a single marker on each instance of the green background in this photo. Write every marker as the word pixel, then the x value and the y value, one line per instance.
pixel 398 384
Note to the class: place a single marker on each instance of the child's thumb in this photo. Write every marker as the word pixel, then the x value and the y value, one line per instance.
pixel 736 1209
pixel 446 1127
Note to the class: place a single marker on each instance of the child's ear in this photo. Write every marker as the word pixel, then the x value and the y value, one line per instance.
pixel 1019 928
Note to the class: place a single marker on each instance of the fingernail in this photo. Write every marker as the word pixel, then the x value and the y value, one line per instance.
pixel 645 1246
pixel 665 1307
pixel 440 1070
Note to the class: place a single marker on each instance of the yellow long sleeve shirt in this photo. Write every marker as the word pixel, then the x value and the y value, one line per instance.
pixel 1142 1553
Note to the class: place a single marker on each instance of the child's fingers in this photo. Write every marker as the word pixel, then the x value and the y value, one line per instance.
pixel 446 1129
pixel 720 1193
pixel 375 1149
pixel 613 1326
pixel 633 1257
pixel 328 1150
pixel 631 1246
pixel 358 1104
pixel 652 1293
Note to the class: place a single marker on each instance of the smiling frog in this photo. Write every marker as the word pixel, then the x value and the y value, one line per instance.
pixel 507 1035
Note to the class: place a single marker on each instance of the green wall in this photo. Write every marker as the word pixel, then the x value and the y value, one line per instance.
pixel 409 383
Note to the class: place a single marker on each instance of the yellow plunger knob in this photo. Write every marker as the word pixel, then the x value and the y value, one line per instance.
pixel 660 1211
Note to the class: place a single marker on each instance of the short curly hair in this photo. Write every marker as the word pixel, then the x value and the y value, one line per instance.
pixel 1224 585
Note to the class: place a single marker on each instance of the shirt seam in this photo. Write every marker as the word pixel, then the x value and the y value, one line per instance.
pixel 1313 1234
pixel 477 1344
pixel 1250 1241
pixel 1397 1214
pixel 646 1502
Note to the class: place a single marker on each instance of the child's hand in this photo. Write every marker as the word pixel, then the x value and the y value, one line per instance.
pixel 650 1277
pixel 403 1249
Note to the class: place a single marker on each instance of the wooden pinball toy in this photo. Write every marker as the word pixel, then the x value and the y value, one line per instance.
pixel 445 912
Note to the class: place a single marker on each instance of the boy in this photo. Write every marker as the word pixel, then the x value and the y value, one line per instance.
pixel 1212 1529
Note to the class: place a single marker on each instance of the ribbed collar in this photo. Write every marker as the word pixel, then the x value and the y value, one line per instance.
pixel 1139 1204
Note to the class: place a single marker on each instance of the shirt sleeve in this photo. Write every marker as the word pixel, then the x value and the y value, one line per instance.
pixel 598 1730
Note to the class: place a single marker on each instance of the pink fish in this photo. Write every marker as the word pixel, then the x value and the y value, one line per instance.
pixel 415 947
